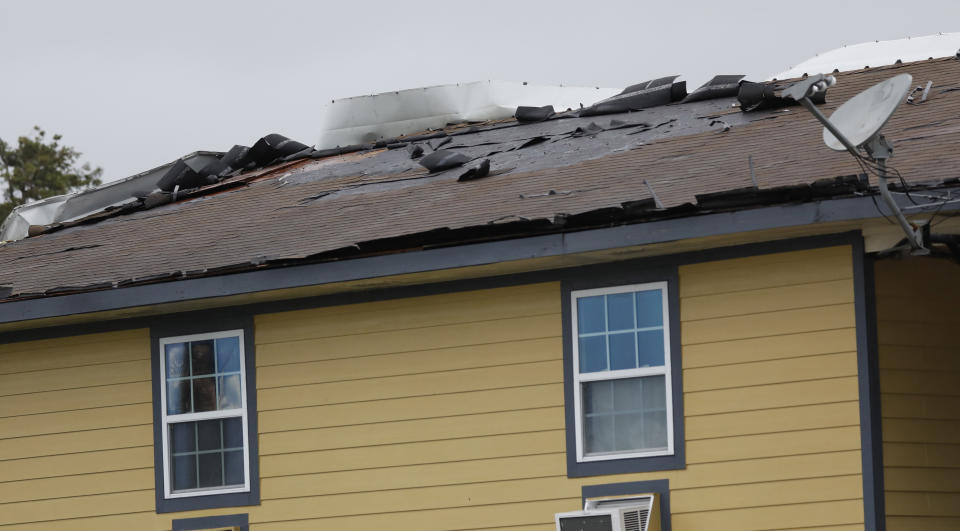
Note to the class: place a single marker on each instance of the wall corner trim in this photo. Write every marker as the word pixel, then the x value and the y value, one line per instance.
pixel 868 379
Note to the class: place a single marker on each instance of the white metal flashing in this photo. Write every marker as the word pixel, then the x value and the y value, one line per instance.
pixel 364 119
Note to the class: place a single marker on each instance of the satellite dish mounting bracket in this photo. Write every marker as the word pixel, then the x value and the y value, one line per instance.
pixel 876 147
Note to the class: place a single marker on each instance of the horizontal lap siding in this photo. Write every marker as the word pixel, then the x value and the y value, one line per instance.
pixel 446 412
pixel 76 436
pixel 920 396
pixel 770 394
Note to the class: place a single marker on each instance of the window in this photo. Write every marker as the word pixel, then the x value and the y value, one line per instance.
pixel 621 365
pixel 204 411
pixel 204 414
pixel 624 410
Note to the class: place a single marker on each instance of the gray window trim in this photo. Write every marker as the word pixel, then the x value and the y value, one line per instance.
pixel 201 323
pixel 610 275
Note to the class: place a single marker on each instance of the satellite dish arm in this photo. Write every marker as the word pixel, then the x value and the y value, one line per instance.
pixel 807 104
pixel 801 92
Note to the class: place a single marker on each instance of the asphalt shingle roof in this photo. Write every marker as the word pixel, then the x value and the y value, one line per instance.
pixel 321 209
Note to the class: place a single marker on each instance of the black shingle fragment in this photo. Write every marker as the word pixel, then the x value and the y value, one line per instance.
pixel 533 114
pixel 723 86
pixel 640 96
pixel 235 158
pixel 215 168
pixel 415 150
pixel 324 153
pixel 443 160
pixel 590 129
pixel 182 175
pixel 758 96
pixel 302 154
pixel 477 172
pixel 530 142
pixel 273 147
pixel 439 143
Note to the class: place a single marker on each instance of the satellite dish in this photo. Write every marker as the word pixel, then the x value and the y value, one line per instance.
pixel 863 115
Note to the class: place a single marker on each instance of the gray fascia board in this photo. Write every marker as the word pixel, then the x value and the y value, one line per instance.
pixel 716 224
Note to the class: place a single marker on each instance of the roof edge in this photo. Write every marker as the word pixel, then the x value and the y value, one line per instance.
pixel 478 254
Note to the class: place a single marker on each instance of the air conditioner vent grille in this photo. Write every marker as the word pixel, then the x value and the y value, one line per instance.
pixel 635 520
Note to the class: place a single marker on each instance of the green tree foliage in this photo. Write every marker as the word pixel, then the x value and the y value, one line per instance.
pixel 37 168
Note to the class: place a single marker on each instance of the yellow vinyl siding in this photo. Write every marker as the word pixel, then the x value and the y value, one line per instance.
pixel 76 429
pixel 917 320
pixel 446 412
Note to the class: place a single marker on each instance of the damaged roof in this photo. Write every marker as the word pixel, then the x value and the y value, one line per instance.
pixel 683 156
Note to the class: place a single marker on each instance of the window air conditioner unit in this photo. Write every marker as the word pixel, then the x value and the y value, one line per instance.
pixel 621 513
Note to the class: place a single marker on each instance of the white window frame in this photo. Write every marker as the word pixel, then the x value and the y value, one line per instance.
pixel 166 420
pixel 579 379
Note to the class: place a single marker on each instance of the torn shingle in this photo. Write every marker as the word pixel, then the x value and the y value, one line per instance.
pixel 640 96
pixel 533 114
pixel 443 160
pixel 723 86
pixel 181 175
pixel 759 96
pixel 478 172
pixel 273 147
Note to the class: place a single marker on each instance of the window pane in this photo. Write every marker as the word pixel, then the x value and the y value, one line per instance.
pixel 228 354
pixel 178 397
pixel 649 308
pixel 593 354
pixel 620 312
pixel 628 394
pixel 208 435
pixel 590 316
pixel 598 434
pixel 230 392
pixel 176 360
pixel 233 467
pixel 204 394
pixel 211 470
pixel 185 472
pixel 629 432
pixel 655 392
pixel 623 351
pixel 201 357
pixel 233 433
pixel 182 437
pixel 597 397
pixel 650 348
pixel 655 429
pixel 624 415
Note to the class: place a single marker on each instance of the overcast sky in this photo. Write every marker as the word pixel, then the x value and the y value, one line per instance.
pixel 133 85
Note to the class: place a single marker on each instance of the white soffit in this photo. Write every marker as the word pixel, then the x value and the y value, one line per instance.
pixel 364 119
pixel 878 53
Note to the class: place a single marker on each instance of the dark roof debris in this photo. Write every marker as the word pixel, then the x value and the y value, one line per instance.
pixel 477 172
pixel 661 161
pixel 718 87
pixel 644 95
pixel 443 160
pixel 764 96
pixel 533 114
